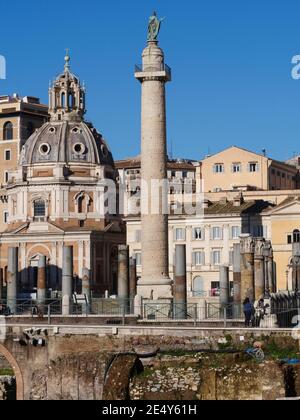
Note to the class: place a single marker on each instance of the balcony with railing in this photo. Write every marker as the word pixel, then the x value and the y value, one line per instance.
pixel 145 68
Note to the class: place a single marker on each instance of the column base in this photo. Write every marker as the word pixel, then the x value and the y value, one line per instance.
pixel 155 291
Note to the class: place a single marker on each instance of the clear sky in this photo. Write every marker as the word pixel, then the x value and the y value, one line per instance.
pixel 231 63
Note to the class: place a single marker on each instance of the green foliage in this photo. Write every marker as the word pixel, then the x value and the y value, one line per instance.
pixel 274 351
pixel 145 374
pixel 6 372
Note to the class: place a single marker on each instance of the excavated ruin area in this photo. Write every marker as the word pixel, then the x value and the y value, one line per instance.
pixel 214 377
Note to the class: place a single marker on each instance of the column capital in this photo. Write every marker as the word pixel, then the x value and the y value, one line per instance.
pixel 247 244
pixel 268 250
pixel 259 248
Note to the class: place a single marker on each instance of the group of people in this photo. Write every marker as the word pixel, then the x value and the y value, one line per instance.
pixel 254 314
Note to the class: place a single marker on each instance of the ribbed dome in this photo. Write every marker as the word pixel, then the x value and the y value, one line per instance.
pixel 66 142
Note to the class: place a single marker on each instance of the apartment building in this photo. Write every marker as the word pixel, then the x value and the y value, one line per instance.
pixel 283 224
pixel 209 240
pixel 183 177
pixel 19 118
pixel 237 169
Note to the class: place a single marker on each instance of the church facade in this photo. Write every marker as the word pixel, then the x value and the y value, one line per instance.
pixel 57 198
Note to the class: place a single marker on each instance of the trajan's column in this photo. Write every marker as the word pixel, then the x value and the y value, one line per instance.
pixel 154 74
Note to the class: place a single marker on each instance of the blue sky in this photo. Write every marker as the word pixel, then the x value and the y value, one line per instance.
pixel 231 63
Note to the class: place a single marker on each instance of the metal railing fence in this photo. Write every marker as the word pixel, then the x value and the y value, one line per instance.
pixel 148 311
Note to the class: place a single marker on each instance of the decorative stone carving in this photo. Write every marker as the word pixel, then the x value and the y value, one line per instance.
pixel 247 244
pixel 268 249
pixel 259 248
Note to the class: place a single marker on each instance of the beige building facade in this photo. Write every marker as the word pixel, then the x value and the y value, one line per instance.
pixel 19 118
pixel 209 241
pixel 237 169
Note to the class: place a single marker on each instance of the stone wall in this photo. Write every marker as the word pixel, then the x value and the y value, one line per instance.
pixel 204 377
pixel 98 362
pixel 4 363
pixel 72 377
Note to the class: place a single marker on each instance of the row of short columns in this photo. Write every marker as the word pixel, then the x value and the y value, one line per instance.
pixel 257 274
pixel 127 280
pixel 67 280
pixel 127 276
pixel 253 272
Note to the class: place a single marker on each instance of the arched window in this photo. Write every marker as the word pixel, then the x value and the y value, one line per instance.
pixel 80 203
pixel 83 203
pixel 296 236
pixel 63 100
pixel 29 130
pixel 8 131
pixel 70 100
pixel 198 287
pixel 39 208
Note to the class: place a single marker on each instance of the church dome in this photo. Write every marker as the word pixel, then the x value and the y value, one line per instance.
pixel 66 142
pixel 66 138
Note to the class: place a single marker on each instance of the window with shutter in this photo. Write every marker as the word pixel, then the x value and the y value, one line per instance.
pixel 198 287
pixel 179 234
pixel 216 257
pixel 218 168
pixel 253 167
pixel 197 234
pixel 138 257
pixel 198 258
pixel 217 233
pixel 235 232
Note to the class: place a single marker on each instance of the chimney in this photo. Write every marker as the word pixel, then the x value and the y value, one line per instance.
pixel 238 200
pixel 223 200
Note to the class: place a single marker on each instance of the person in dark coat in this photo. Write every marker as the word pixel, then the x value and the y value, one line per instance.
pixel 249 312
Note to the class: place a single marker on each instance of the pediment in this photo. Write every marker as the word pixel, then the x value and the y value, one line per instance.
pixel 292 208
pixel 35 228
